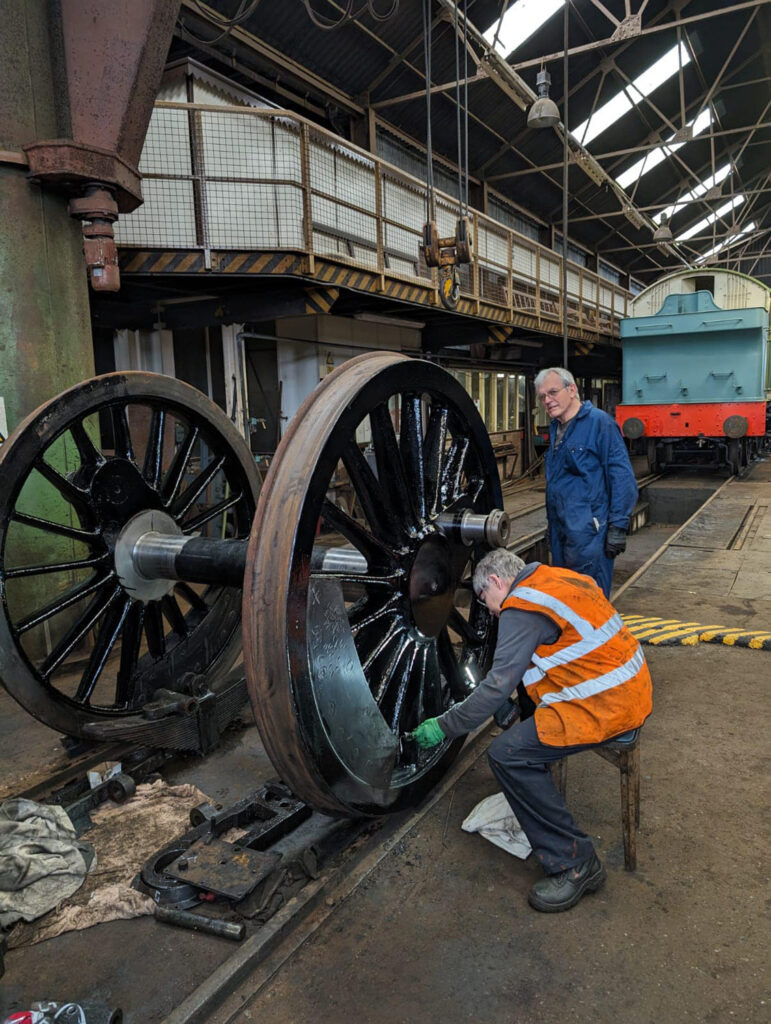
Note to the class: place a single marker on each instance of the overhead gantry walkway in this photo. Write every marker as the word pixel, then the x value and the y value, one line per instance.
pixel 264 194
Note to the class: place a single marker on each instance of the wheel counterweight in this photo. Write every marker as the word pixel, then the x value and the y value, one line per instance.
pixel 387 457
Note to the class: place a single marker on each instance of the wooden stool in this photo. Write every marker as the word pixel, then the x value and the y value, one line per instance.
pixel 623 752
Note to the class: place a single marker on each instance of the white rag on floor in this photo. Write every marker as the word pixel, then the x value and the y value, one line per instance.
pixel 42 861
pixel 495 820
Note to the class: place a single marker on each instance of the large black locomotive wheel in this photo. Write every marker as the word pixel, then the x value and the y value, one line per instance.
pixel 359 620
pixel 82 641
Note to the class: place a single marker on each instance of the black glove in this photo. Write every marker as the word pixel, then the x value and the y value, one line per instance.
pixel 615 542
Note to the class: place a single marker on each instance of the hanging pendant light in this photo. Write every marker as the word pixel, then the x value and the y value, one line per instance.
pixel 544 112
pixel 662 235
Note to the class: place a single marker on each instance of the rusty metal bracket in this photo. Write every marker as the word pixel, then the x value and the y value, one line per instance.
pixel 72 165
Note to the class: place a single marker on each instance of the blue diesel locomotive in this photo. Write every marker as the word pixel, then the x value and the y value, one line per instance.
pixel 697 370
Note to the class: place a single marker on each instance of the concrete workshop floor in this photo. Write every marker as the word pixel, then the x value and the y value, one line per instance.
pixel 441 930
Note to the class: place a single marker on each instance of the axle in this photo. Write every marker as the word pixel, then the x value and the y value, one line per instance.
pixel 151 549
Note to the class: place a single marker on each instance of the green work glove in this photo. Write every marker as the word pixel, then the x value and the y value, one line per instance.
pixel 428 733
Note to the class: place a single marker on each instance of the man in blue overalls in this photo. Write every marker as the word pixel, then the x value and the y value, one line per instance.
pixel 590 484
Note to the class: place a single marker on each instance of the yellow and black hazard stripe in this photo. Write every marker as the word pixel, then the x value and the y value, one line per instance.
pixel 670 632
pixel 497 335
pixel 320 300
pixel 337 275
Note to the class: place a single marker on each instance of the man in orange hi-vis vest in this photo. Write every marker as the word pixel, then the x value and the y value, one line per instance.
pixel 582 680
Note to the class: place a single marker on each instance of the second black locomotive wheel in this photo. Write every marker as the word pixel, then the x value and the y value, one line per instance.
pixel 359 619
pixel 84 639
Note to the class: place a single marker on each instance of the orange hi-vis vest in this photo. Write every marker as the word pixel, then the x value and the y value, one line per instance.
pixel 593 683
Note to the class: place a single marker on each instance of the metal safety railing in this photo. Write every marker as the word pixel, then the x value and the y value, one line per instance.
pixel 220 178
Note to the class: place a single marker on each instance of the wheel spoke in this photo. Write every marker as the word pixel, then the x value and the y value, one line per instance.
pixel 371 496
pixel 463 628
pixel 184 502
pixel 70 598
pixel 90 456
pixel 151 470
pixel 108 634
pixel 40 570
pixel 479 619
pixel 362 615
pixel 72 494
pixel 431 698
pixel 123 445
pixel 436 436
pixel 466 498
pixel 390 579
pixel 191 596
pixel 71 532
pixel 211 513
pixel 390 671
pixel 179 466
pixel 382 641
pixel 156 644
pixel 453 470
pixel 412 712
pixel 79 630
pixel 403 687
pixel 411 447
pixel 174 615
pixel 376 553
pixel 389 462
pixel 130 643
pixel 449 665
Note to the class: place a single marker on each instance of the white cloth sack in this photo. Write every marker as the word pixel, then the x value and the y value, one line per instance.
pixel 495 820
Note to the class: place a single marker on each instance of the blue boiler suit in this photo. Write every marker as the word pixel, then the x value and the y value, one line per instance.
pixel 590 485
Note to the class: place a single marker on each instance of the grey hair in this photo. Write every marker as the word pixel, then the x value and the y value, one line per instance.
pixel 498 562
pixel 564 375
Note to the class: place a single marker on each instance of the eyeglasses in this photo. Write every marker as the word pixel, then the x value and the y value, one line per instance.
pixel 551 393
pixel 481 598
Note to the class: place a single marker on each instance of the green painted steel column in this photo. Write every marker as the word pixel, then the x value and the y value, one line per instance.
pixel 45 328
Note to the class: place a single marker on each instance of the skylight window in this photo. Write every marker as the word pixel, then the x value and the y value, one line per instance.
pixel 655 156
pixel 520 21
pixel 720 212
pixel 727 242
pixel 700 189
pixel 632 94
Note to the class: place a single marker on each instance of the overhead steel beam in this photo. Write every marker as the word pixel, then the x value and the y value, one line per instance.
pixel 657 206
pixel 610 41
pixel 627 152
pixel 420 93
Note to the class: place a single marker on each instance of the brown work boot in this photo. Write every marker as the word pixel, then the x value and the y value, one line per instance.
pixel 563 891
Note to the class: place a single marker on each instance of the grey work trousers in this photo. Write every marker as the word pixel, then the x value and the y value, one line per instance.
pixel 520 763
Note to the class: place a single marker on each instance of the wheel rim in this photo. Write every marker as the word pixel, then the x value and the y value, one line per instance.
pixel 340 664
pixel 103 452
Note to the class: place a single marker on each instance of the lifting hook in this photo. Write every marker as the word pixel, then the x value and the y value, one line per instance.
pixel 447 254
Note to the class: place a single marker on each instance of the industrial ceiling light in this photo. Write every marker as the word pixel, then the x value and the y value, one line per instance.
pixel 544 112
pixel 662 235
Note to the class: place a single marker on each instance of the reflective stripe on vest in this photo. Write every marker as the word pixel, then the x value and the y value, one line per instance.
pixel 591 687
pixel 595 638
pixel 581 626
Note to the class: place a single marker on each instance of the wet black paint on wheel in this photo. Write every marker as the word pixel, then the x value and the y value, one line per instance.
pixel 350 678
